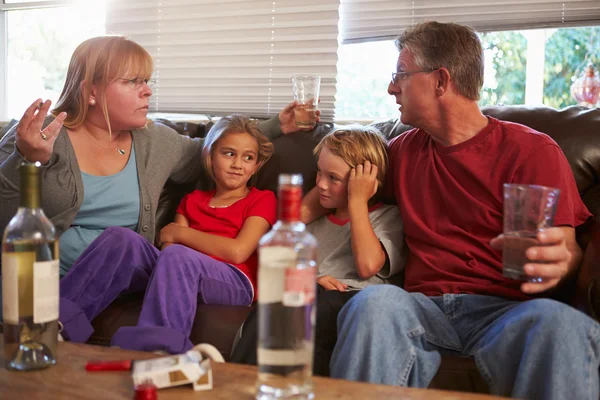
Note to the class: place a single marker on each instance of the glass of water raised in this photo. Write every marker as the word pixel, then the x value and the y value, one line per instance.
pixel 306 93
pixel 527 210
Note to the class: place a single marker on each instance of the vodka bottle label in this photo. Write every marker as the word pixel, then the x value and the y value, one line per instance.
pixel 300 288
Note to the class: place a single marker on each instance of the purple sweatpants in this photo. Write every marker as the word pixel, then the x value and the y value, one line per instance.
pixel 121 261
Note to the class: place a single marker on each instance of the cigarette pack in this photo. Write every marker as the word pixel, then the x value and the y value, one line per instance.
pixel 175 370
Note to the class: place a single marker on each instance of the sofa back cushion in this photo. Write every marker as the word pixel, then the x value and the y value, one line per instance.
pixel 575 129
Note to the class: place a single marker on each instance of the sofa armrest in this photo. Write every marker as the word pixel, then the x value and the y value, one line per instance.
pixel 587 292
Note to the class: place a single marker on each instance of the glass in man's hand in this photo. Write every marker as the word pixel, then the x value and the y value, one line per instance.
pixel 527 210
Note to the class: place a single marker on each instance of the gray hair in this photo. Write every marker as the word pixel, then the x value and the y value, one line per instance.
pixel 448 45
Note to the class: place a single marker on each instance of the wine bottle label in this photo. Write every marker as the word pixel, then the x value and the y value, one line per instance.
pixel 17 300
pixel 45 291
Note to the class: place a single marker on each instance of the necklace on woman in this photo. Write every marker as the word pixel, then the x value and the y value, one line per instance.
pixel 117 148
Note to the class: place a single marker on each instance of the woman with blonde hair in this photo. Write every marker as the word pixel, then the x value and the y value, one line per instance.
pixel 104 166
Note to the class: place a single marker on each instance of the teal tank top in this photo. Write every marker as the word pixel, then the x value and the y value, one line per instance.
pixel 112 200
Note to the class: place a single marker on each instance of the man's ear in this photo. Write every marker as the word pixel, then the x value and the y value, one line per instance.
pixel 443 81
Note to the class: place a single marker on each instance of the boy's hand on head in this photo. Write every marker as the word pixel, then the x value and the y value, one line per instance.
pixel 362 184
pixel 330 283
pixel 287 118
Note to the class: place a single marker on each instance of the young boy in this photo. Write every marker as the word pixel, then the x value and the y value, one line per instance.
pixel 361 241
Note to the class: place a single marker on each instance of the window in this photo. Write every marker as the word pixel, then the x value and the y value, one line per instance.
pixel 219 57
pixel 505 68
pixel 364 72
pixel 38 48
pixel 521 67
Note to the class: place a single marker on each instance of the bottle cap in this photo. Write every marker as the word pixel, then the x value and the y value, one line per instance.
pixel 146 391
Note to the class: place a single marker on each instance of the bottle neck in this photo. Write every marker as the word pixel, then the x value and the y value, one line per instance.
pixel 30 196
pixel 30 199
pixel 290 203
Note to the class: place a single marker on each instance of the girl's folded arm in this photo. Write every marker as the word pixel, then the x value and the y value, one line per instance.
pixel 235 251
pixel 181 220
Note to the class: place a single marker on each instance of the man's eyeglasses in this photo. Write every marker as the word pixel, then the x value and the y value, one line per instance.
pixel 400 76
pixel 137 83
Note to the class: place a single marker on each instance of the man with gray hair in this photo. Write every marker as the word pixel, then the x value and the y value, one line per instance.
pixel 447 176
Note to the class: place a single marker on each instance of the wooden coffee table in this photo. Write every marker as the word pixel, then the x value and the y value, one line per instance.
pixel 69 380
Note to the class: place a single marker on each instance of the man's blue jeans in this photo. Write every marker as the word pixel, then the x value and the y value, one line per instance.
pixel 537 349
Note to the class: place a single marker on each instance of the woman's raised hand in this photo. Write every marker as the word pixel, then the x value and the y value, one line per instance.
pixel 34 143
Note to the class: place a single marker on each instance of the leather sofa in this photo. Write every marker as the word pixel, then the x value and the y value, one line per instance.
pixel 575 129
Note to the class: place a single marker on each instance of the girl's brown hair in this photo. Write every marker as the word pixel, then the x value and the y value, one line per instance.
pixel 99 61
pixel 235 124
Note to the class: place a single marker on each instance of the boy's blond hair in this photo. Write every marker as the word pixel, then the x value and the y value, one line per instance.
pixel 357 144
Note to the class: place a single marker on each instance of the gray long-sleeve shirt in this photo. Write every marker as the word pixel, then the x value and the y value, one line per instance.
pixel 161 153
pixel 335 247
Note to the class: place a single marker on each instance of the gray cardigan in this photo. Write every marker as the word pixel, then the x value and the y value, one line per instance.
pixel 161 154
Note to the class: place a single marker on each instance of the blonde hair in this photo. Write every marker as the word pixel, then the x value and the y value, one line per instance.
pixel 357 144
pixel 452 46
pixel 99 61
pixel 235 124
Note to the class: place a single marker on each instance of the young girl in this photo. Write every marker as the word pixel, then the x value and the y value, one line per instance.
pixel 209 252
pixel 361 242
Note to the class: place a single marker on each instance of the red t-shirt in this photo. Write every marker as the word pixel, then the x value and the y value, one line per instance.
pixel 228 221
pixel 451 203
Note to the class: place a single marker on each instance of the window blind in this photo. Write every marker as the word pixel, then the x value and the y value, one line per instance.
pixel 217 57
pixel 366 20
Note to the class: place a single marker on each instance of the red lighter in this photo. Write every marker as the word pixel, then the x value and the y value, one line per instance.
pixel 113 365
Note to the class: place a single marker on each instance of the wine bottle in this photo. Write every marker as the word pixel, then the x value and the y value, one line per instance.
pixel 287 273
pixel 30 290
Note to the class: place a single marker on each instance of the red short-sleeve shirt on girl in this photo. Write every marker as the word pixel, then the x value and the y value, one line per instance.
pixel 228 221
pixel 451 203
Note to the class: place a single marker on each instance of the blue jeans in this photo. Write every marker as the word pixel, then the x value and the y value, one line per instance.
pixel 537 349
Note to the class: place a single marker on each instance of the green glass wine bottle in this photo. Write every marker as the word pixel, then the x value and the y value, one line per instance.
pixel 30 290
